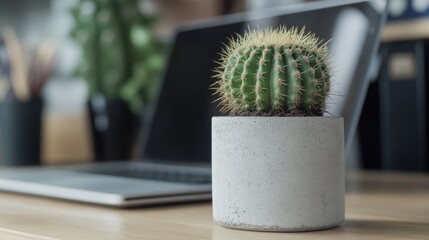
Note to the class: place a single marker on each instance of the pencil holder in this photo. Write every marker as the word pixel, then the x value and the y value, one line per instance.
pixel 20 132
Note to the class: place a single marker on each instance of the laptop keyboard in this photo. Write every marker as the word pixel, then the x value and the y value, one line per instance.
pixel 158 174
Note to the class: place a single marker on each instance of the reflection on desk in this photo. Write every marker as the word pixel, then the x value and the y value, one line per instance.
pixel 378 206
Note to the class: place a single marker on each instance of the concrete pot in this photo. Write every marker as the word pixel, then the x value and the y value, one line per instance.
pixel 278 173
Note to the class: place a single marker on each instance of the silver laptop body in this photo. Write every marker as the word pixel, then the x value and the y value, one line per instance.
pixel 175 144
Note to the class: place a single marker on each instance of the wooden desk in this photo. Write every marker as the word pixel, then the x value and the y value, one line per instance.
pixel 378 206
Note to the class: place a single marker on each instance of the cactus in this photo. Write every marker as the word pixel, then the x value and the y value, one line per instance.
pixel 273 72
pixel 120 57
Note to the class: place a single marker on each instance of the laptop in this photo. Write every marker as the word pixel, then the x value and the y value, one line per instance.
pixel 174 147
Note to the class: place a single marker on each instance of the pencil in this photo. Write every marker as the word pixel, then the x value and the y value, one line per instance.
pixel 45 63
pixel 18 74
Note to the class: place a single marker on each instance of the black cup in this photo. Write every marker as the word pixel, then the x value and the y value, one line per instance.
pixel 113 128
pixel 20 132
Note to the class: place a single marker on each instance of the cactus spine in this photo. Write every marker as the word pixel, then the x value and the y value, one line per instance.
pixel 274 72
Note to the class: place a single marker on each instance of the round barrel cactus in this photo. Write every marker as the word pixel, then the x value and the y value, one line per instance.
pixel 274 72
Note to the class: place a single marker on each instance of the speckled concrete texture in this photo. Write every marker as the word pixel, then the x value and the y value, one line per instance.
pixel 278 173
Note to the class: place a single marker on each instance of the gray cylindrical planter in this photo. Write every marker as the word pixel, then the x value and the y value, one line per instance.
pixel 278 173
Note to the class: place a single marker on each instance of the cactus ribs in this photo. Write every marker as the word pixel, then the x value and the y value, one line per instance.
pixel 273 72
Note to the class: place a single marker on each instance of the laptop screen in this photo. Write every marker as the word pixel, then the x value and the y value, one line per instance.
pixel 180 128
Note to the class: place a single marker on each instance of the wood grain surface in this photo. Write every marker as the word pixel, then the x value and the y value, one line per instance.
pixel 378 206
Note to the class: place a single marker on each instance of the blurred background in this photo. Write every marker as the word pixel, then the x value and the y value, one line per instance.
pixel 76 86
pixel 83 68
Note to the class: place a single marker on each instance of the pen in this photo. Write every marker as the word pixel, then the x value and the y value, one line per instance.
pixel 4 71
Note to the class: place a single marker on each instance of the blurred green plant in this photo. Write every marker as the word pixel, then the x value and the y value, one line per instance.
pixel 121 56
